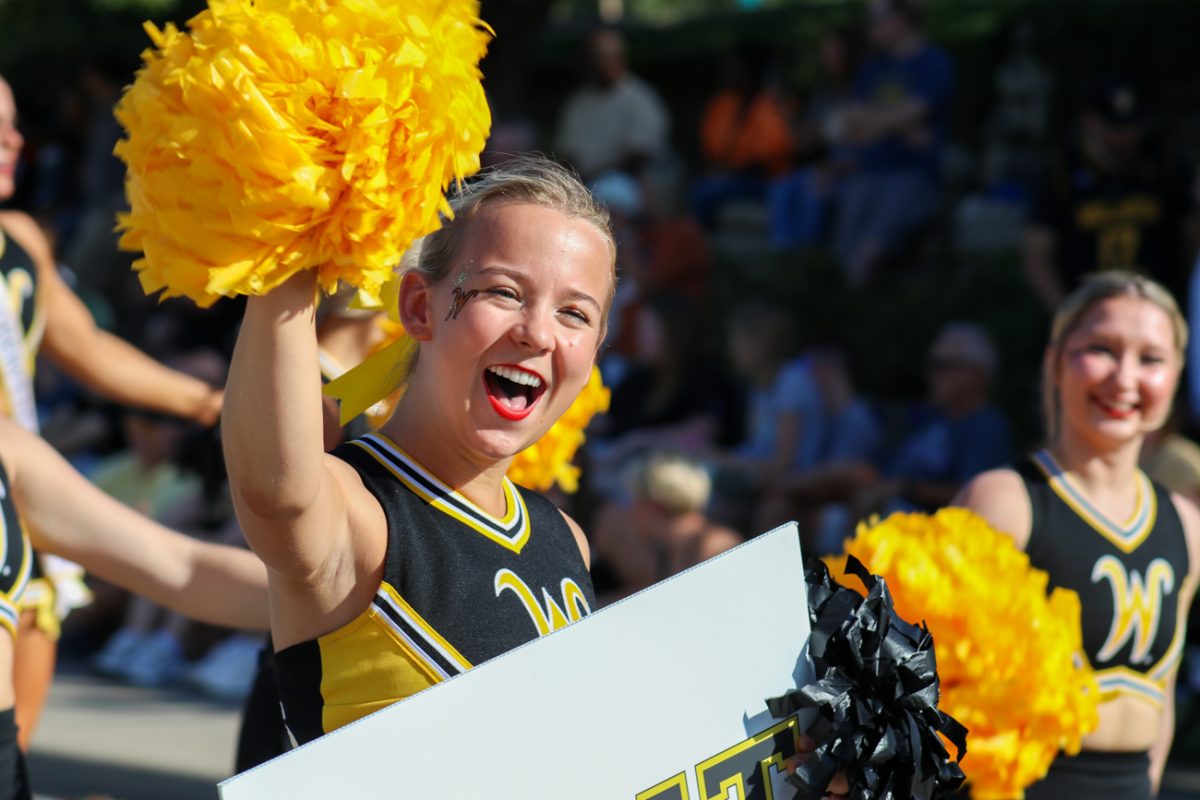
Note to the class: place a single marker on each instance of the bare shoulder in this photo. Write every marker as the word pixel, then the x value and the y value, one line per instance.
pixel 580 538
pixel 1189 515
pixel 25 232
pixel 999 496
pixel 716 540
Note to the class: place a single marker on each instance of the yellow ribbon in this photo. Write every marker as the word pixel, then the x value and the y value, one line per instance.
pixel 374 379
pixel 385 370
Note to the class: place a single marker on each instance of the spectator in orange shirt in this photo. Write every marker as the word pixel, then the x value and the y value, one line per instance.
pixel 745 135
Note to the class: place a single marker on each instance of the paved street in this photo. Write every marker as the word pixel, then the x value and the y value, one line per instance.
pixel 101 738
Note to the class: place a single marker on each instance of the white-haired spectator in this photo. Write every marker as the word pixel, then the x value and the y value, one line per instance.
pixel 663 529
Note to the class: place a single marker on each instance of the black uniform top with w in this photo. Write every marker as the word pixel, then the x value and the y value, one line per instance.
pixel 16 558
pixel 459 587
pixel 1129 576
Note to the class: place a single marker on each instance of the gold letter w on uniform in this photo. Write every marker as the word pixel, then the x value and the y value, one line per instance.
pixel 551 617
pixel 1137 605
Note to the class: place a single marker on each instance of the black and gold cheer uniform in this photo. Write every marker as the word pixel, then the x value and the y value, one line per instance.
pixel 56 585
pixel 19 291
pixel 459 587
pixel 21 329
pixel 1130 577
pixel 16 558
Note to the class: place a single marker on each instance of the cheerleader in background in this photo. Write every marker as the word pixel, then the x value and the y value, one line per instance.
pixel 38 310
pixel 1086 514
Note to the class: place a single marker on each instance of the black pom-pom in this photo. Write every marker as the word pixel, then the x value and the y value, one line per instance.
pixel 875 694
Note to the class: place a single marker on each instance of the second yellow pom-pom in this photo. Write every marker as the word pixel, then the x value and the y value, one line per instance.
pixel 1010 656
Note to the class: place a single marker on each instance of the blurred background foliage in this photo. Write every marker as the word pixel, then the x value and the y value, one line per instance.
pixel 676 43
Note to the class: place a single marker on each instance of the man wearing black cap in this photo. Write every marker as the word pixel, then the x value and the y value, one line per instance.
pixel 1106 203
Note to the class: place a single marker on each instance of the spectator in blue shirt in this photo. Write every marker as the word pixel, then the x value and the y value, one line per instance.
pixel 783 413
pixel 783 429
pixel 964 435
pixel 894 133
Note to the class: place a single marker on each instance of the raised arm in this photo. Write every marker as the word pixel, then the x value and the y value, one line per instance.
pixel 66 515
pixel 291 498
pixel 105 363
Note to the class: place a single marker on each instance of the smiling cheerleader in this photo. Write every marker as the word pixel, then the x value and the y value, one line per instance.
pixel 1087 515
pixel 407 556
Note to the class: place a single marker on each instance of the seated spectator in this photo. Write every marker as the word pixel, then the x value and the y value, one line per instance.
pixel 662 529
pixel 745 136
pixel 658 253
pixel 672 395
pixel 964 435
pixel 820 496
pixel 800 202
pixel 1108 201
pixel 615 121
pixel 895 133
pixel 784 421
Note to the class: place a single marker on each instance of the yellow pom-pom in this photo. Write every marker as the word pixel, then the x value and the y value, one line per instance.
pixel 548 460
pixel 283 135
pixel 1010 658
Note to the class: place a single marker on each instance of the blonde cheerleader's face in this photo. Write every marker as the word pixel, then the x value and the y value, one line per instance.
pixel 515 326
pixel 1118 371
pixel 11 141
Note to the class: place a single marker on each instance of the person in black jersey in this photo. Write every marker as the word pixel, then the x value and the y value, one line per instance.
pixel 406 557
pixel 45 503
pixel 1109 199
pixel 407 554
pixel 1087 515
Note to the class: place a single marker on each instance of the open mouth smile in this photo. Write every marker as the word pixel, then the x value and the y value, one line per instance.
pixel 513 391
pixel 1115 409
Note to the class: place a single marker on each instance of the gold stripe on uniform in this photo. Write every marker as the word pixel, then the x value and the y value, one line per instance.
pixel 510 532
pixel 1126 537
pixel 432 639
pixel 1125 681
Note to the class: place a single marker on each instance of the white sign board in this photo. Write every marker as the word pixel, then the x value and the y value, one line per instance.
pixel 658 697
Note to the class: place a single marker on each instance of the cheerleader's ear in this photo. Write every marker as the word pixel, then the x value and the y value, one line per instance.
pixel 414 303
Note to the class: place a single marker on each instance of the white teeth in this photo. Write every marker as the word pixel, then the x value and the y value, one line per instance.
pixel 517 376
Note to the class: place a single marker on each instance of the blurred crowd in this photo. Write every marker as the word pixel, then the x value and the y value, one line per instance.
pixel 724 422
